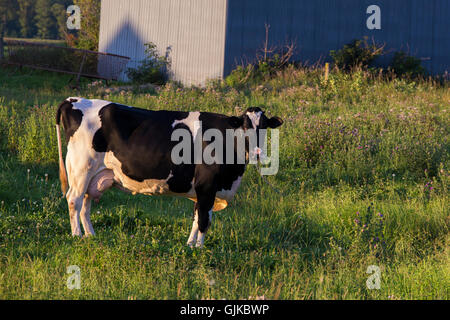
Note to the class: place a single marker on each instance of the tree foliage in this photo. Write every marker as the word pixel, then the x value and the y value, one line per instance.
pixel 358 53
pixel 153 69
pixel 90 24
pixel 26 14
pixel 34 18
pixel 44 21
pixel 403 64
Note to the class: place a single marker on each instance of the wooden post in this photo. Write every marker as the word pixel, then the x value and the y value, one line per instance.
pixel 2 34
pixel 327 70
pixel 2 48
pixel 81 69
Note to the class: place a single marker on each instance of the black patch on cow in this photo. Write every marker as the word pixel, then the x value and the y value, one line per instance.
pixel 141 140
pixel 229 175
pixel 182 178
pixel 99 142
pixel 70 117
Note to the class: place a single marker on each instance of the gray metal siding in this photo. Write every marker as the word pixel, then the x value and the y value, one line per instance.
pixel 419 27
pixel 193 30
pixel 208 38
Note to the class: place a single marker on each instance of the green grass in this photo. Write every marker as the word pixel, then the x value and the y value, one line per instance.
pixel 364 177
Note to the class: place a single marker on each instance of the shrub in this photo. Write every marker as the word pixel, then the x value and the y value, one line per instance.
pixel 402 64
pixel 153 68
pixel 268 63
pixel 30 134
pixel 240 75
pixel 263 69
pixel 59 58
pixel 357 53
pixel 87 36
pixel 37 141
pixel 47 57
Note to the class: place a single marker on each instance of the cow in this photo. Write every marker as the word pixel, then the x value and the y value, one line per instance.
pixel 114 145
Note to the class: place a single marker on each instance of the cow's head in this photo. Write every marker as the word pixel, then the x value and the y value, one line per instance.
pixel 255 119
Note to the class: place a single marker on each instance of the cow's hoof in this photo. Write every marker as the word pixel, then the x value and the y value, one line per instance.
pixel 88 235
pixel 190 244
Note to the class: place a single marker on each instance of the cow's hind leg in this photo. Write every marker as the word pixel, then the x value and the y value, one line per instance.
pixel 86 216
pixel 101 182
pixel 75 198
pixel 79 175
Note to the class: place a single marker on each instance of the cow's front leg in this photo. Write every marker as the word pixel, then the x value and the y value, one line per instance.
pixel 194 231
pixel 203 227
pixel 204 213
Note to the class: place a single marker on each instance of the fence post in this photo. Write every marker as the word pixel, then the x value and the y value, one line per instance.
pixel 2 48
pixel 2 33
pixel 81 68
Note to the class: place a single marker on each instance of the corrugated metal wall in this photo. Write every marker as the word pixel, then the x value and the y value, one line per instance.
pixel 207 38
pixel 419 27
pixel 192 32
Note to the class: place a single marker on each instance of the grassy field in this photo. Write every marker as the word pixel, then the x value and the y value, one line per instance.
pixel 363 180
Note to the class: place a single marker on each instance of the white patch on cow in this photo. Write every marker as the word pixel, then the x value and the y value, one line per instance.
pixel 229 194
pixel 148 186
pixel 88 105
pixel 85 215
pixel 194 231
pixel 254 118
pixel 83 162
pixel 90 121
pixel 201 235
pixel 200 239
pixel 190 122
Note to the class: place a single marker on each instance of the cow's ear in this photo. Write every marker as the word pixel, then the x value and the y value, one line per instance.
pixel 236 122
pixel 274 122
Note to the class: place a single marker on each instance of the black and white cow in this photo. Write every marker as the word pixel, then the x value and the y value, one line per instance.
pixel 109 144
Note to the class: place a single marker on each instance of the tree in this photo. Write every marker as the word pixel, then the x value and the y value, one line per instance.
pixel 90 24
pixel 2 33
pixel 44 21
pixel 59 14
pixel 6 15
pixel 26 12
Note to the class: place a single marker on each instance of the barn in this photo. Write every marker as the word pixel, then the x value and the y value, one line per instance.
pixel 206 39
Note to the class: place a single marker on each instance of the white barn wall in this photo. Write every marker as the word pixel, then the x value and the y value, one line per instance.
pixel 193 29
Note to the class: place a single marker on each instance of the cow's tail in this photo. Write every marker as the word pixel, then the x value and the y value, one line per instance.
pixel 62 168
